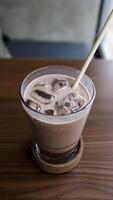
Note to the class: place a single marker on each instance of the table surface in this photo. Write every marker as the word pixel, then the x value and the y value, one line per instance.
pixel 20 178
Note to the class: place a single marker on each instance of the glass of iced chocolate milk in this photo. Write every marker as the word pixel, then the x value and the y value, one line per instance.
pixel 57 114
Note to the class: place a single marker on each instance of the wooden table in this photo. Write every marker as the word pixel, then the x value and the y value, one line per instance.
pixel 20 178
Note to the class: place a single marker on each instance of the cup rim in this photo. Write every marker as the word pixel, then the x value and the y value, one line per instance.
pixel 56 116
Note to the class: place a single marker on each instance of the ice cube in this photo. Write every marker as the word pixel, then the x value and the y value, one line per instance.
pixel 49 112
pixel 70 103
pixel 42 83
pixel 58 84
pixel 42 96
pixel 33 105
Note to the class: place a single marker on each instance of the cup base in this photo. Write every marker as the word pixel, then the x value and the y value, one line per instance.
pixel 58 168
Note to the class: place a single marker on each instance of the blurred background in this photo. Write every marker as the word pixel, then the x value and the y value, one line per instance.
pixel 53 29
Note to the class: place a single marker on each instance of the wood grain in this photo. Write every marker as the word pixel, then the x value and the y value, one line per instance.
pixel 20 178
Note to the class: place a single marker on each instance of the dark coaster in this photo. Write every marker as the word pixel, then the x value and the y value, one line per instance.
pixel 58 168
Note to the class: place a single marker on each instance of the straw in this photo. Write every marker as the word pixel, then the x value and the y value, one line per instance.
pixel 93 50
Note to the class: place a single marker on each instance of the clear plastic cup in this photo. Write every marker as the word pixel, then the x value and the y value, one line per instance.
pixel 57 137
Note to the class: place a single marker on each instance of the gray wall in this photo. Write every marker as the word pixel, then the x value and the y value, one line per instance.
pixel 65 20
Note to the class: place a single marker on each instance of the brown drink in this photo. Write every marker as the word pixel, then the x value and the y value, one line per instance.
pixel 57 113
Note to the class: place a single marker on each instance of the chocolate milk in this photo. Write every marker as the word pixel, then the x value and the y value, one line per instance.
pixel 57 113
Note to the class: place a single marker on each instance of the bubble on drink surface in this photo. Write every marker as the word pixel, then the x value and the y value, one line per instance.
pixel 70 103
pixel 58 84
pixel 42 96
pixel 49 112
pixel 33 105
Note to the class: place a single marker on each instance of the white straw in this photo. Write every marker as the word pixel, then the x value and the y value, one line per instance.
pixel 93 50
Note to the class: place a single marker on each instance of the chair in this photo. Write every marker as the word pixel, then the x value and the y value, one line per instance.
pixel 40 49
